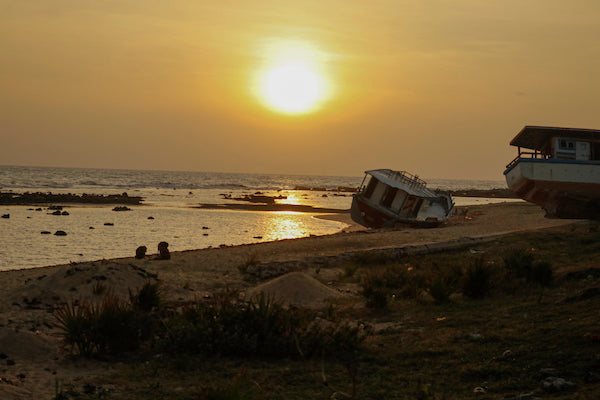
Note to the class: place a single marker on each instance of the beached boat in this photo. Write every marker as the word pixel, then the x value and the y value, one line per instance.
pixel 386 198
pixel 561 174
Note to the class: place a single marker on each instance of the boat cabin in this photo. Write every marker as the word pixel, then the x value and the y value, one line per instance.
pixel 558 143
pixel 386 197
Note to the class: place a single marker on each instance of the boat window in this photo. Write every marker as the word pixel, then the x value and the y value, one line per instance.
pixel 388 198
pixel 371 187
pixel 595 151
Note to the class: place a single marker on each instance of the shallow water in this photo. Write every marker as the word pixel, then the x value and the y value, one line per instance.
pixel 169 198
pixel 24 246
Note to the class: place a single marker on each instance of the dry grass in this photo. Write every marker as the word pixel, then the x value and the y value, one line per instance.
pixel 503 344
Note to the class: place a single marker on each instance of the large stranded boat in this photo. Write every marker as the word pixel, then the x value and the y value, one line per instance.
pixel 386 198
pixel 561 174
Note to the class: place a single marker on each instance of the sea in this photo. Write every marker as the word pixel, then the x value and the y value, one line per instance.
pixel 168 211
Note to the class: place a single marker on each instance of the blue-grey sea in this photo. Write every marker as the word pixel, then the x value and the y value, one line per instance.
pixel 169 198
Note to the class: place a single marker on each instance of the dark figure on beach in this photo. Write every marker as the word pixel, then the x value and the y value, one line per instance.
pixel 140 252
pixel 163 251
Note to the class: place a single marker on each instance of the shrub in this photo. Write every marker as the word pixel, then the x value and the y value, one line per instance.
pixel 542 273
pixel 260 327
pixel 377 284
pixel 477 280
pixel 440 290
pixel 148 297
pixel 110 327
pixel 518 262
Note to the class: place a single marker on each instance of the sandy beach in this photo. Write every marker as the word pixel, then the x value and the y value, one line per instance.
pixel 32 359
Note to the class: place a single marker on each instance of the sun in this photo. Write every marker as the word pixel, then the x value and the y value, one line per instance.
pixel 291 79
pixel 292 88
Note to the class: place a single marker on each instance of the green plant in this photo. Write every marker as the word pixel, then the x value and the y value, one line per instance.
pixel 251 260
pixel 518 262
pixel 477 280
pixel 542 273
pixel 260 327
pixel 440 290
pixel 109 327
pixel 147 298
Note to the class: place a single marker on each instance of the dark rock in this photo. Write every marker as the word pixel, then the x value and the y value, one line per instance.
pixel 150 217
pixel 64 213
pixel 57 212
pixel 6 216
pixel 60 233
pixel 121 208
pixel 91 227
pixel 108 224
pixel 205 227
pixel 38 198
pixel 257 237
pixel 163 251
pixel 45 232
pixel 140 252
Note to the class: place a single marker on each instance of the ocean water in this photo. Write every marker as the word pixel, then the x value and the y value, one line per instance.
pixel 96 232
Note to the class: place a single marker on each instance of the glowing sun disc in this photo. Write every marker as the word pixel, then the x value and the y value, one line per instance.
pixel 292 88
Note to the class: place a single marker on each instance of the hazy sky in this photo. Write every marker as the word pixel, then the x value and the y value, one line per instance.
pixel 435 87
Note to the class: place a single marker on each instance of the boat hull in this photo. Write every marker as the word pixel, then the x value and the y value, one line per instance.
pixel 367 214
pixel 563 188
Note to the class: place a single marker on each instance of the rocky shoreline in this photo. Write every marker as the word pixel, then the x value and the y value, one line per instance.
pixel 11 198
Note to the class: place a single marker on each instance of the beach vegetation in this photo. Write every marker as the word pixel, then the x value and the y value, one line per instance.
pixel 477 279
pixel 262 327
pixel 147 298
pixel 440 290
pixel 109 327
pixel 252 259
pixel 500 345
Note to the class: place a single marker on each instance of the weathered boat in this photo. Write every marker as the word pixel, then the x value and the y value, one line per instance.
pixel 560 171
pixel 386 198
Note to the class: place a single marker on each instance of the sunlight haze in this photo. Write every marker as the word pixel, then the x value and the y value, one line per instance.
pixel 438 88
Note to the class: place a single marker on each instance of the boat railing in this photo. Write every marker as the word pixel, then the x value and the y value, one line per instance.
pixel 526 154
pixel 407 178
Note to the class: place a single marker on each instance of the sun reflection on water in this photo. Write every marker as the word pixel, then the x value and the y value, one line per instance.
pixel 285 225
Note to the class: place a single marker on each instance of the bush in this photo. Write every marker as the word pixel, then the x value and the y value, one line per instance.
pixel 110 327
pixel 148 297
pixel 377 284
pixel 518 262
pixel 542 273
pixel 477 280
pixel 440 290
pixel 260 327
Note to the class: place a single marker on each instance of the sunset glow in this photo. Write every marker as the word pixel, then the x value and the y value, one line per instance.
pixel 291 88
pixel 292 80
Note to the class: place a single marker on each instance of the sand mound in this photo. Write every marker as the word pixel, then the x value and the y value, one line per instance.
pixel 296 288
pixel 82 282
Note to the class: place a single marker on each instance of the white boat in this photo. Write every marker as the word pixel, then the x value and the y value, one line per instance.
pixel 558 169
pixel 387 197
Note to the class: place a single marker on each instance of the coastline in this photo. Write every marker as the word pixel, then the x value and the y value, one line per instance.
pixel 28 331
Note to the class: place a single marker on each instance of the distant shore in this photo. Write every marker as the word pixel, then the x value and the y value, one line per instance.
pixel 259 203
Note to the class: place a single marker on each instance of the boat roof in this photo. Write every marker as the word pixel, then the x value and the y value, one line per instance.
pixel 411 184
pixel 536 137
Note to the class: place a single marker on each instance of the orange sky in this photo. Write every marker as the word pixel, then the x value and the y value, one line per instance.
pixel 435 87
